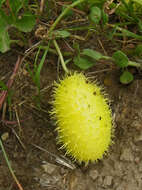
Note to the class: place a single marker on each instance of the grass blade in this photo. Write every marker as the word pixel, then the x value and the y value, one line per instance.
pixel 38 69
pixel 9 166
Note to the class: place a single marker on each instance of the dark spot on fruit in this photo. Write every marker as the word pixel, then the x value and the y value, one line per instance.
pixel 100 118
pixel 94 93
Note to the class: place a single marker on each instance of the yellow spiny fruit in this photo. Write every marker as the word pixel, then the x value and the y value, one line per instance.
pixel 84 120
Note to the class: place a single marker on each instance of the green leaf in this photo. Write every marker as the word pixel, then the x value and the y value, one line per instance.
pixel 93 54
pixel 3 86
pixel 76 47
pixel 1 2
pixel 9 97
pixel 26 22
pixel 69 13
pixel 4 36
pixel 129 34
pixel 120 59
pixel 138 50
pixel 67 61
pixel 98 3
pixel 83 63
pixel 95 15
pixel 140 25
pixel 3 20
pixel 15 5
pixel 4 41
pixel 61 34
pixel 138 1
pixel 126 77
pixel 37 74
pixel 105 17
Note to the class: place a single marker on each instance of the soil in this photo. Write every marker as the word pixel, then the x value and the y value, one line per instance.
pixel 50 169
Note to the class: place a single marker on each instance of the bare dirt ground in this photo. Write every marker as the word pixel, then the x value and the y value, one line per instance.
pixel 36 169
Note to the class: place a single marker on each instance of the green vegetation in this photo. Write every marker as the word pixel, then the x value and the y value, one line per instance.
pixel 22 16
pixel 14 14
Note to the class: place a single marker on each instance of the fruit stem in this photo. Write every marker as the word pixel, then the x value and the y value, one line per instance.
pixel 61 56
pixel 134 64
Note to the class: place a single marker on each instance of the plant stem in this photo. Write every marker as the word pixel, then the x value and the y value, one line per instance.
pixel 76 28
pixel 106 57
pixel 61 56
pixel 126 32
pixel 63 14
pixel 9 166
pixel 55 52
pixel 134 64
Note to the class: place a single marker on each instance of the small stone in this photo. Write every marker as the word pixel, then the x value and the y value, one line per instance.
pixel 5 136
pixel 108 180
pixel 93 174
pixel 138 138
pixel 137 160
pixel 46 180
pixel 63 171
pixel 126 155
pixel 49 168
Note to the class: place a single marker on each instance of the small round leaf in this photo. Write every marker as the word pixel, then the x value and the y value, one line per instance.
pixel 93 54
pixel 83 63
pixel 121 59
pixel 126 77
pixel 95 15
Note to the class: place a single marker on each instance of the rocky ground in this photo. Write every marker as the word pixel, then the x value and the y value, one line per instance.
pixel 36 169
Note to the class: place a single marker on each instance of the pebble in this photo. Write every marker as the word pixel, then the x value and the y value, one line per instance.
pixel 138 138
pixel 126 155
pixel 93 174
pixel 5 136
pixel 137 160
pixel 108 180
pixel 63 171
pixel 49 168
pixel 46 180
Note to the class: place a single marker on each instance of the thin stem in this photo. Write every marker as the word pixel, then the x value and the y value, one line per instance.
pixel 126 32
pixel 106 57
pixel 61 56
pixel 63 14
pixel 55 52
pixel 9 166
pixel 134 64
pixel 76 28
